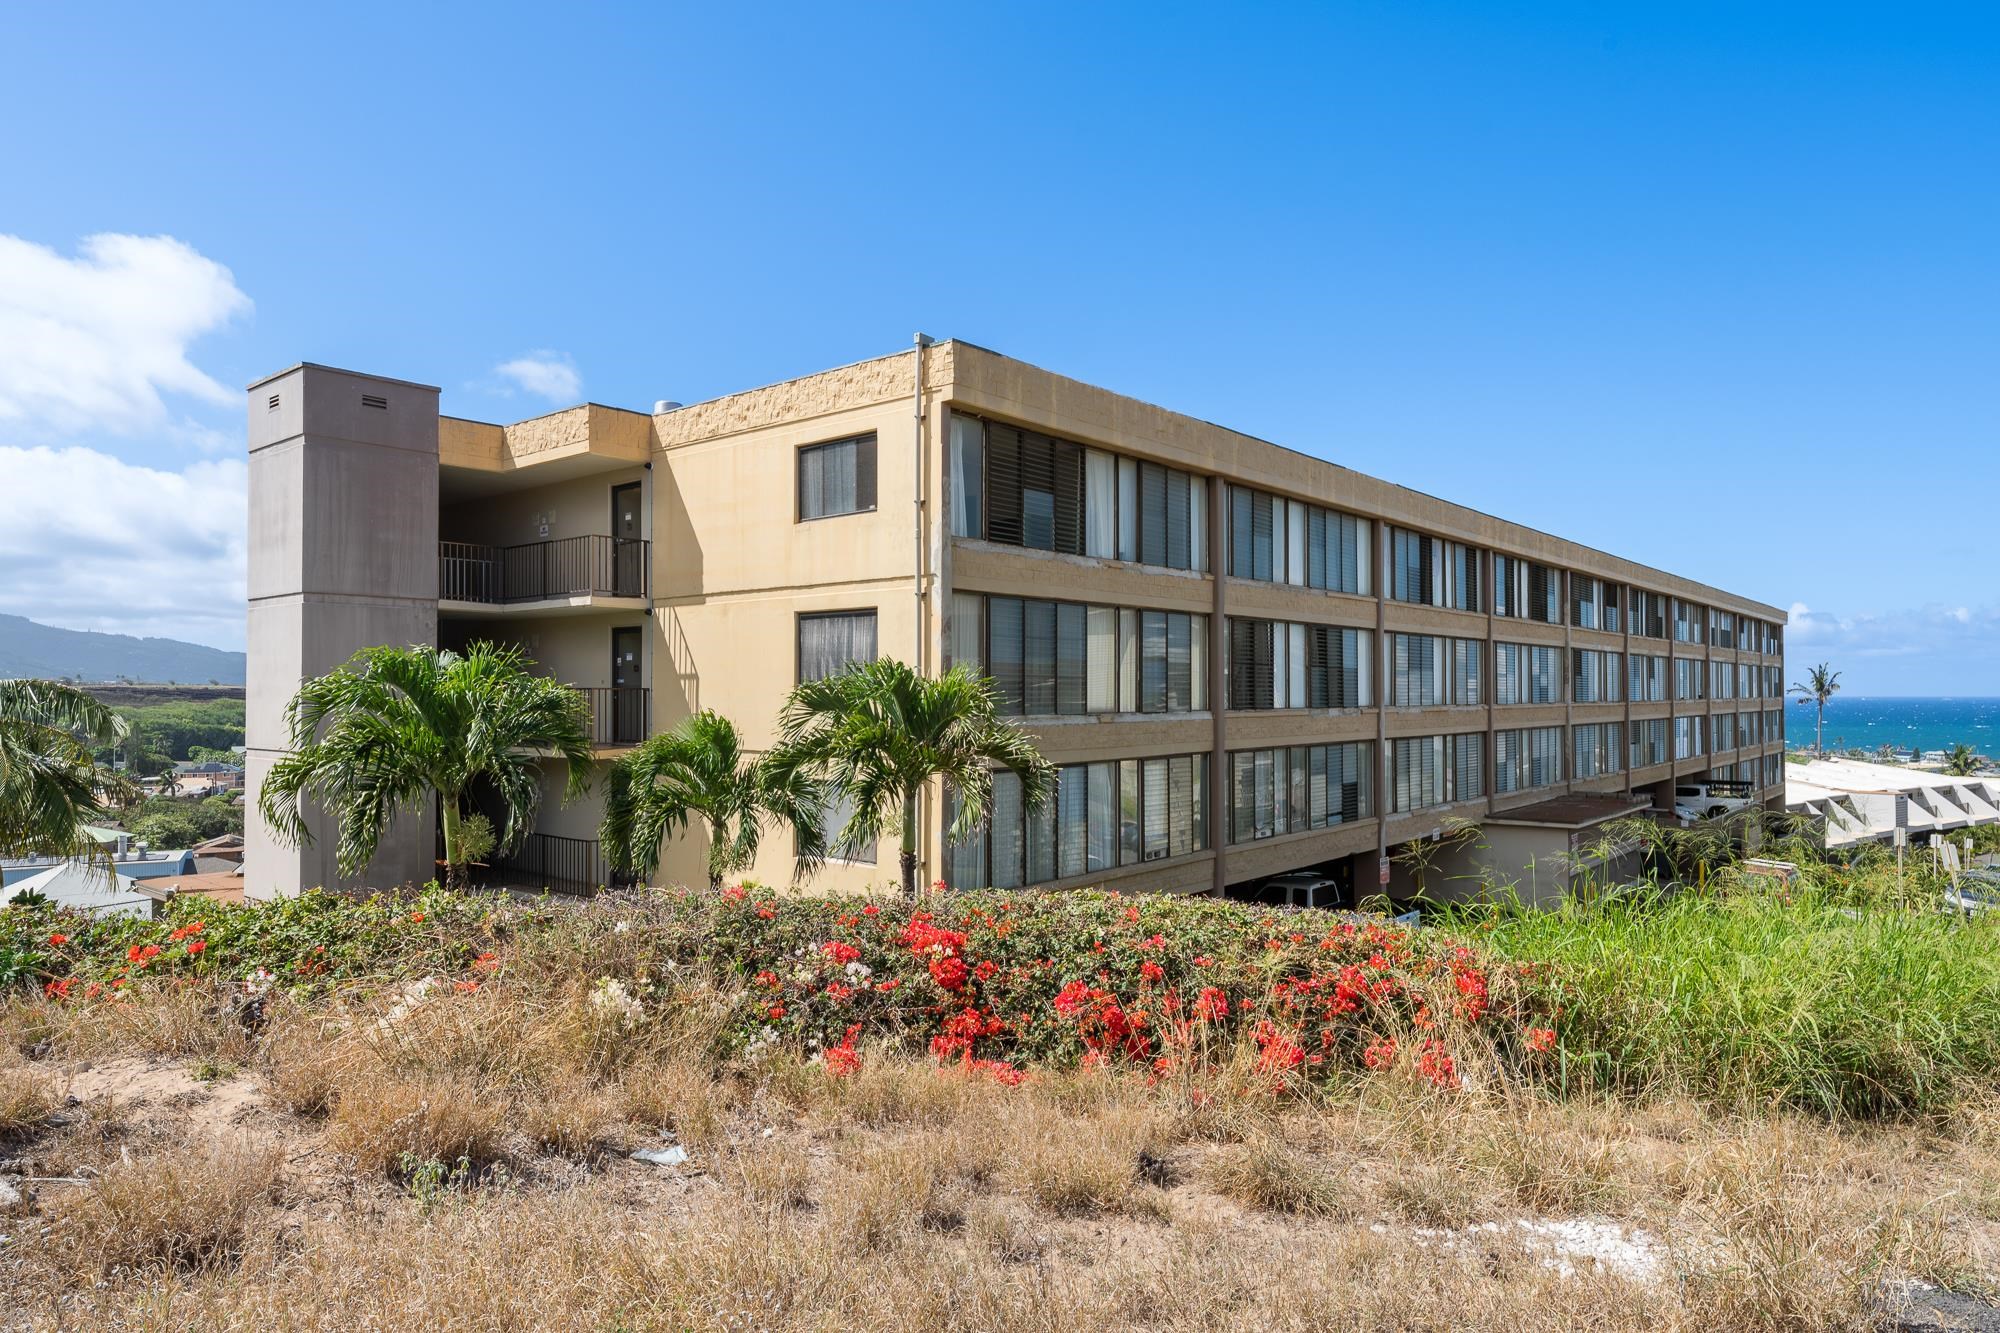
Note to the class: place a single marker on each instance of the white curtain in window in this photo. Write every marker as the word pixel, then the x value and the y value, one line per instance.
pixel 1297 665
pixel 967 474
pixel 1128 660
pixel 1100 504
pixel 1198 653
pixel 1198 525
pixel 1101 660
pixel 829 643
pixel 967 641
pixel 1128 509
pixel 1102 850
pixel 1295 543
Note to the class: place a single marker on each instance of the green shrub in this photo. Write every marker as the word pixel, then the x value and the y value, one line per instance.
pixel 1815 998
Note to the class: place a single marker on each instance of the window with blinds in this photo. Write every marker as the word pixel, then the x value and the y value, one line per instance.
pixel 1687 622
pixel 1079 832
pixel 1690 678
pixel 1648 743
pixel 1297 788
pixel 1646 678
pixel 1649 614
pixel 1722 732
pixel 1599 749
pixel 1596 677
pixel 1690 735
pixel 1054 659
pixel 1430 571
pixel 1284 664
pixel 1436 770
pixel 1021 487
pixel 837 477
pixel 1526 759
pixel 1276 540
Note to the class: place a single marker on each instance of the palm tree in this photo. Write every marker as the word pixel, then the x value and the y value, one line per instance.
pixel 1822 683
pixel 1961 762
pixel 698 771
pixel 49 782
pixel 395 726
pixel 878 733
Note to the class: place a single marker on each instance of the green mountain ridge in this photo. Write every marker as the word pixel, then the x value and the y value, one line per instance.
pixel 29 649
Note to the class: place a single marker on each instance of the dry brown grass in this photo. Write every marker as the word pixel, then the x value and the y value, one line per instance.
pixel 384 1121
pixel 923 1199
pixel 1269 1174
pixel 27 1098
pixel 185 1209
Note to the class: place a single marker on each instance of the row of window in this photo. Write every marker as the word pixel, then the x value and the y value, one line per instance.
pixel 1284 664
pixel 1116 813
pixel 1024 488
pixel 1054 659
pixel 1275 540
pixel 1294 788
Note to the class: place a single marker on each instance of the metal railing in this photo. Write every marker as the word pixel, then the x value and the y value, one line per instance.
pixel 574 866
pixel 618 713
pixel 536 571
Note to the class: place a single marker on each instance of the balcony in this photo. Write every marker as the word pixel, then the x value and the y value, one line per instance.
pixel 567 574
pixel 543 861
pixel 619 714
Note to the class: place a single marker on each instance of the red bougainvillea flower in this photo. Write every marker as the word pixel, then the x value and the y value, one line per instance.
pixel 1381 1053
pixel 197 947
pixel 949 973
pixel 736 893
pixel 776 1011
pixel 417 916
pixel 1540 1039
pixel 1211 1004
pixel 840 1061
pixel 486 962
pixel 838 992
pixel 840 952
pixel 58 940
pixel 1435 1065
pixel 465 987
pixel 1152 971
pixel 766 978
pixel 59 990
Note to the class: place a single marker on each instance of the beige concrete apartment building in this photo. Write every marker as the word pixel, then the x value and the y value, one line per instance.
pixel 1245 660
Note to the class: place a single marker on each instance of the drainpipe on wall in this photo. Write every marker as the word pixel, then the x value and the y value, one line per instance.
pixel 923 342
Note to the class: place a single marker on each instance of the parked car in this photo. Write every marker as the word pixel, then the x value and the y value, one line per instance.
pixel 1306 888
pixel 1706 800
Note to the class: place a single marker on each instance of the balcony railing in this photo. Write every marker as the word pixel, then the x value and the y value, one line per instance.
pixel 538 571
pixel 573 866
pixel 618 713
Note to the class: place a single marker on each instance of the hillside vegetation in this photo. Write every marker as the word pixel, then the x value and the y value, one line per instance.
pixel 1001 1111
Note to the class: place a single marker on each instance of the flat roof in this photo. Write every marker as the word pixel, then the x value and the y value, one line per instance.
pixel 1575 811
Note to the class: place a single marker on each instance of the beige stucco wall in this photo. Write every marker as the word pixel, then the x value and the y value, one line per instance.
pixel 575 508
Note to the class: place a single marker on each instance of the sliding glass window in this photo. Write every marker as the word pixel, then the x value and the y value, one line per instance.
pixel 1054 659
pixel 1299 787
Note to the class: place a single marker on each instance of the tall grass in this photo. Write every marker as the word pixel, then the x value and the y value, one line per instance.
pixel 1752 998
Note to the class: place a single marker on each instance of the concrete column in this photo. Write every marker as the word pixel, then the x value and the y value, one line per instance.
pixel 1219 782
pixel 342 556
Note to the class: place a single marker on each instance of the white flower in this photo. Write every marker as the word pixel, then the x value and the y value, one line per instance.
pixel 610 997
pixel 621 928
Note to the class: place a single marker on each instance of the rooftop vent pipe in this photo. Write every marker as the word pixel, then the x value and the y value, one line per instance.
pixel 665 405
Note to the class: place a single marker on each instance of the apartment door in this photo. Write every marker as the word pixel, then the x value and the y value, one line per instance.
pixel 628 686
pixel 628 551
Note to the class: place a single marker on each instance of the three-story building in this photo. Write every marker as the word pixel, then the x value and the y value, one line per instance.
pixel 1243 659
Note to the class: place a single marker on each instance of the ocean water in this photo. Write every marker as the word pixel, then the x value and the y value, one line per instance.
pixel 1853 722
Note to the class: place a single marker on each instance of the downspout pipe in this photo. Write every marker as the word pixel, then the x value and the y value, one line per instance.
pixel 922 342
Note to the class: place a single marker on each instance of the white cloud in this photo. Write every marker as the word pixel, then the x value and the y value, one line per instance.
pixel 545 374
pixel 92 542
pixel 95 341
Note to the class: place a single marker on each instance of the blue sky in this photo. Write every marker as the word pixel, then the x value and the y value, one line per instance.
pixel 1710 286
